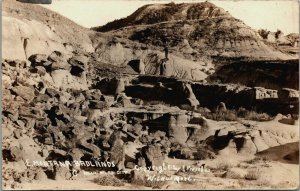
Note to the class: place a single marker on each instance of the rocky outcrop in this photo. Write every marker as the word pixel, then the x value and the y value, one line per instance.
pixel 177 128
pixel 268 74
pixel 287 94
pixel 153 155
pixel 245 142
pixel 29 37
pixel 29 28
pixel 180 93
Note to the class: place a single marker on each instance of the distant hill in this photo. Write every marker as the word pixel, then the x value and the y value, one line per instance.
pixel 194 30
pixel 156 13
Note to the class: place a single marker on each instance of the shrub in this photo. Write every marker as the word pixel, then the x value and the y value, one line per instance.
pixel 263 33
pixel 242 112
pixel 222 115
pixel 253 174
pixel 257 159
pixel 252 115
pixel 108 180
pixel 203 153
pixel 223 165
pixel 233 115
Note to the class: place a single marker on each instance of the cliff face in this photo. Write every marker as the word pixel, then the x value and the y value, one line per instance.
pixel 33 29
pixel 269 74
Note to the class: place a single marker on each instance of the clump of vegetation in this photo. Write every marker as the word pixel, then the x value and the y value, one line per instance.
pixel 222 115
pixel 224 165
pixel 253 174
pixel 263 33
pixel 234 115
pixel 108 180
pixel 252 115
pixel 257 159
pixel 203 154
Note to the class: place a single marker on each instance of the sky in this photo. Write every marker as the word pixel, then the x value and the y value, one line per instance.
pixel 271 15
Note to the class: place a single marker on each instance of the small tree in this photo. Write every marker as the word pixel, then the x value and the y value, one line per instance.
pixel 278 33
pixel 263 33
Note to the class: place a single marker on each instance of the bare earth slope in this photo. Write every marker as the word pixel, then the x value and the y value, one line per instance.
pixel 153 13
pixel 34 29
pixel 200 38
pixel 200 29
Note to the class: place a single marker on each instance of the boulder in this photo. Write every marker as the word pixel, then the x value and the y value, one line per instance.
pixel 288 121
pixel 137 65
pixel 190 96
pixel 141 67
pixel 79 61
pixel 52 92
pixel 153 155
pixel 17 133
pixel 222 106
pixel 118 153
pixel 141 162
pixel 95 104
pixel 177 128
pixel 63 79
pixel 120 86
pixel 60 65
pixel 41 70
pixel 166 68
pixel 137 177
pixel 122 101
pixel 62 173
pixel 6 81
pixel 16 153
pixel 248 147
pixel 40 175
pixel 287 94
pixel 37 59
pixel 56 56
pixel 76 154
pixel 130 165
pixel 26 92
pixel 230 149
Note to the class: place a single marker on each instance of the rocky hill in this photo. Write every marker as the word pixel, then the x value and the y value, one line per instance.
pixel 200 38
pixel 201 29
pixel 156 13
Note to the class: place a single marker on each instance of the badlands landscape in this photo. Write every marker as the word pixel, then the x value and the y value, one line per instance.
pixel 174 96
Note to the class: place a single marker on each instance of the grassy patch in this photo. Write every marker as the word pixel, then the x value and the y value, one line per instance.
pixel 253 174
pixel 221 115
pixel 108 180
pixel 224 165
pixel 235 115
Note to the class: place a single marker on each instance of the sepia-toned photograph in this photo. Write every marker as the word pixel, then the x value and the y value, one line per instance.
pixel 150 94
